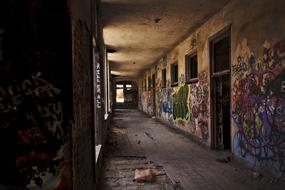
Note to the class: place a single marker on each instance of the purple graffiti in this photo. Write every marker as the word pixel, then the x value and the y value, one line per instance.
pixel 259 110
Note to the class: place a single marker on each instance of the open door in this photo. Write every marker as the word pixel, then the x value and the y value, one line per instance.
pixel 220 88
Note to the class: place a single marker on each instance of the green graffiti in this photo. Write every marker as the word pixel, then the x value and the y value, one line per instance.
pixel 181 103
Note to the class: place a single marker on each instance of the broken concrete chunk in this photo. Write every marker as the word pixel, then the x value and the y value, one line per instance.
pixel 144 175
pixel 256 174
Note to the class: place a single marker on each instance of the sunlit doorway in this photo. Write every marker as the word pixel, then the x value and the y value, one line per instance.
pixel 120 93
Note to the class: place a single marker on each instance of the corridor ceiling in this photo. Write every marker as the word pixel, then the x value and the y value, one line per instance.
pixel 141 31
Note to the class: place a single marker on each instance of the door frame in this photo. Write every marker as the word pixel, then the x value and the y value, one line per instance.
pixel 225 32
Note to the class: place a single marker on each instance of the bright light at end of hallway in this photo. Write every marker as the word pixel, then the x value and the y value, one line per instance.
pixel 115 72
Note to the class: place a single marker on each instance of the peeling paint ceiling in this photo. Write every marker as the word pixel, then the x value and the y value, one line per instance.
pixel 142 31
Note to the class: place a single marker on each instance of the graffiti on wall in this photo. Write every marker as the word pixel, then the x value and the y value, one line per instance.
pixel 259 106
pixel 147 102
pixel 33 108
pixel 158 95
pixel 98 82
pixel 166 103
pixel 181 80
pixel 180 103
pixel 187 106
pixel 199 106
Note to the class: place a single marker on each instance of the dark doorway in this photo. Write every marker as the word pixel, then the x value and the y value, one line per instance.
pixel 220 88
pixel 154 95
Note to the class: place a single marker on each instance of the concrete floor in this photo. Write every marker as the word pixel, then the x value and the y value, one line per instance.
pixel 138 141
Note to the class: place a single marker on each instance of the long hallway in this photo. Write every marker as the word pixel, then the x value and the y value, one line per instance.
pixel 142 94
pixel 138 141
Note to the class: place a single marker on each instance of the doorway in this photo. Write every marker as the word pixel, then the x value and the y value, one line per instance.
pixel 120 93
pixel 221 93
pixel 126 95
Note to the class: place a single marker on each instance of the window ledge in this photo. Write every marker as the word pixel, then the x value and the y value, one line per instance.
pixel 194 80
pixel 98 151
pixel 174 84
pixel 106 116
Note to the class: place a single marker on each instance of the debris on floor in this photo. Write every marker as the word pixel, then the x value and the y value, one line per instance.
pixel 149 136
pixel 178 186
pixel 144 175
pixel 224 160
pixel 256 174
pixel 127 170
pixel 133 172
pixel 182 165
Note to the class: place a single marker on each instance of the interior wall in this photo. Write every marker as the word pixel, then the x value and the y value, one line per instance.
pixel 46 99
pixel 35 100
pixel 83 135
pixel 257 75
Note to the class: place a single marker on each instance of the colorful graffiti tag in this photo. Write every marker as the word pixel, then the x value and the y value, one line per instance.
pixel 199 114
pixel 259 107
pixel 180 103
pixel 158 96
pixel 187 106
pixel 32 108
pixel 166 103
pixel 147 102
